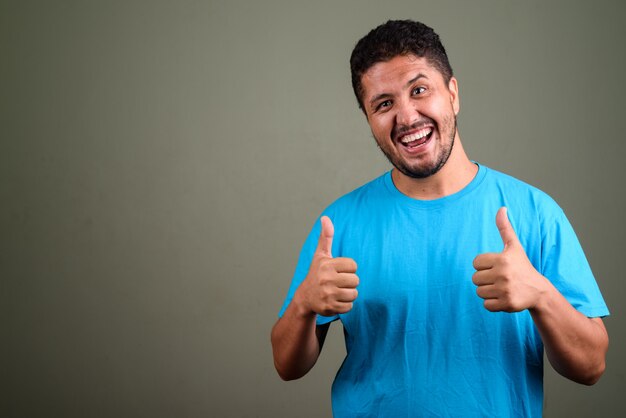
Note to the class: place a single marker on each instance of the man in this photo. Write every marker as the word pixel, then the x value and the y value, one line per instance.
pixel 449 278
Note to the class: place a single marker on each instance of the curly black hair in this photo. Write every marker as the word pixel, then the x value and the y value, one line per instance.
pixel 393 38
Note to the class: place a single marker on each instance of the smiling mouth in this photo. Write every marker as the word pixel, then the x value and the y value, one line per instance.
pixel 416 138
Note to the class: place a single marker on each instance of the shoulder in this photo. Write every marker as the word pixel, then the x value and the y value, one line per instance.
pixel 366 195
pixel 532 211
pixel 520 193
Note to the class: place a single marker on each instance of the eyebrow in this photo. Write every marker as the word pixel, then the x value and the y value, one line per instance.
pixel 387 95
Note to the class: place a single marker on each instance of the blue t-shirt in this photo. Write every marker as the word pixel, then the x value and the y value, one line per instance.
pixel 419 341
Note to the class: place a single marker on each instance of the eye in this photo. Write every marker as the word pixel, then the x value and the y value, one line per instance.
pixel 383 105
pixel 418 90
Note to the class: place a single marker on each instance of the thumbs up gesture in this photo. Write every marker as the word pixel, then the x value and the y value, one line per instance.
pixel 330 286
pixel 507 281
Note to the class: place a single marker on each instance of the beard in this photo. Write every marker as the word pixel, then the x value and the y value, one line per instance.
pixel 447 132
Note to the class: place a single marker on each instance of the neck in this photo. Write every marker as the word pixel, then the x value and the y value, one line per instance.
pixel 456 173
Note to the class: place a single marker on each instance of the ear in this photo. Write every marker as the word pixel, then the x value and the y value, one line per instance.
pixel 453 87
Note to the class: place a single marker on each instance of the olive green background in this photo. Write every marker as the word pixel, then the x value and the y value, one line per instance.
pixel 161 163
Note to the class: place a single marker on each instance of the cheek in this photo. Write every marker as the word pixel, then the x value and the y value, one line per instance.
pixel 441 113
pixel 382 127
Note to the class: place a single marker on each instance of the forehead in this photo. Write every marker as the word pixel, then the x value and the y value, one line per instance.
pixel 388 76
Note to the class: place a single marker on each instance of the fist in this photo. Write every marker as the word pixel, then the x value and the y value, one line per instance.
pixel 330 286
pixel 507 281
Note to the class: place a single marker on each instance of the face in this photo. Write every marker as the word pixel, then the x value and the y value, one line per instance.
pixel 412 112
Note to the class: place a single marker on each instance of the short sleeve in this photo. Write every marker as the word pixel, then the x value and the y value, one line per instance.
pixel 302 268
pixel 565 265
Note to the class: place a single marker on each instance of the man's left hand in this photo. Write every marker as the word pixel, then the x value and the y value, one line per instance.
pixel 507 281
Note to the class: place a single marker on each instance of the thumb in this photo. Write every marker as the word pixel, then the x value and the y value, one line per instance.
pixel 504 226
pixel 325 243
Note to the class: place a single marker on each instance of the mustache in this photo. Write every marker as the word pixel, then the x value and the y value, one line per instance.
pixel 399 130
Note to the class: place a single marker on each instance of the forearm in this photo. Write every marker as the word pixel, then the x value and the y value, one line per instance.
pixel 575 345
pixel 295 343
pixel 328 289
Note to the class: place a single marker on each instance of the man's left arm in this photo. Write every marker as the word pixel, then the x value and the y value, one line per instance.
pixel 575 344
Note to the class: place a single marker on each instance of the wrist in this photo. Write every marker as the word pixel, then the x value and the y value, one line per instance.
pixel 302 308
pixel 545 293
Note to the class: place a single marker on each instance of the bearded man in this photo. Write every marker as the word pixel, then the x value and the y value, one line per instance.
pixel 449 278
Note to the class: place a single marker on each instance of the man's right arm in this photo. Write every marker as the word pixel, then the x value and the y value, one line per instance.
pixel 297 342
pixel 328 289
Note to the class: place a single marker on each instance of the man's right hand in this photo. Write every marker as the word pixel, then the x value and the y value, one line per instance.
pixel 330 286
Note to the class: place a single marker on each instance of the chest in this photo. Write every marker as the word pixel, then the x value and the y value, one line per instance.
pixel 414 266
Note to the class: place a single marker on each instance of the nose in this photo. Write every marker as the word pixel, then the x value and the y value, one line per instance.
pixel 406 113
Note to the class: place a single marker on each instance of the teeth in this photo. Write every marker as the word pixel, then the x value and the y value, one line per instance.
pixel 416 136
